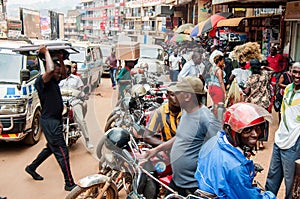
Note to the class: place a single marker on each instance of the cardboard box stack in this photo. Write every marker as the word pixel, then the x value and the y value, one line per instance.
pixel 128 50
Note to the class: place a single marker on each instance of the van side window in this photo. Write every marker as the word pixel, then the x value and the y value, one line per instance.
pixel 89 55
pixel 33 66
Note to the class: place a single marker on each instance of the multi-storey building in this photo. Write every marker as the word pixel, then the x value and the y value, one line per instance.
pixel 101 18
pixel 72 25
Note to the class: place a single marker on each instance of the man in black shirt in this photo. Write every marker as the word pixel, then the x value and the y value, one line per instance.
pixel 51 119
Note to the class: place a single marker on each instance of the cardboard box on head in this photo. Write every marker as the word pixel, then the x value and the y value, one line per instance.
pixel 127 50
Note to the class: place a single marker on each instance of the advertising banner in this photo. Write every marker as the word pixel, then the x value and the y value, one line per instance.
pixel 45 26
pixel 31 23
pixel 54 25
pixel 61 26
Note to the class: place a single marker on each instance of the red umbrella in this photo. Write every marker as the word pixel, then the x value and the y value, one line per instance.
pixel 211 23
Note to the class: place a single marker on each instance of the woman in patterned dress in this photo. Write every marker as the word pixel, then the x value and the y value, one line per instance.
pixel 257 90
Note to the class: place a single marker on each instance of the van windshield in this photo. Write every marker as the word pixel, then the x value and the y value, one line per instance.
pixel 152 53
pixel 10 65
pixel 78 57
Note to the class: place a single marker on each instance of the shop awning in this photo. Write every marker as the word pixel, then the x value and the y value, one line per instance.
pixel 232 22
pixel 250 3
pixel 292 11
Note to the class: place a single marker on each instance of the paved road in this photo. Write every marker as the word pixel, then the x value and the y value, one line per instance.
pixel 16 184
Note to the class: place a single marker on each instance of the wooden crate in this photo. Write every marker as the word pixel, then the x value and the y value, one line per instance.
pixel 128 51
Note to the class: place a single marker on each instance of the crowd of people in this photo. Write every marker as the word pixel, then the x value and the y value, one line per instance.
pixel 244 84
pixel 218 152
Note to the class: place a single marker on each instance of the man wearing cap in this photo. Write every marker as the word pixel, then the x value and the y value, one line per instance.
pixel 72 87
pixel 164 121
pixel 196 126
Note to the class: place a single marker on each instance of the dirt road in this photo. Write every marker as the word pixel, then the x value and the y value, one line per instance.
pixel 16 184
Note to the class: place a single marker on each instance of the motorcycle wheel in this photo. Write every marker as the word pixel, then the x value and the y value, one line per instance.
pixel 93 191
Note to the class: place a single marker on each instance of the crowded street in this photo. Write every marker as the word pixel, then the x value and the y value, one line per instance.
pixel 150 99
pixel 14 157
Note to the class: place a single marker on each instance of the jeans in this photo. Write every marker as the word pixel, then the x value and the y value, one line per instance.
pixel 175 75
pixel 283 166
pixel 112 72
pixel 56 145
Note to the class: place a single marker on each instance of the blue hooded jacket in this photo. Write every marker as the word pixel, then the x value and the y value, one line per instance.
pixel 225 171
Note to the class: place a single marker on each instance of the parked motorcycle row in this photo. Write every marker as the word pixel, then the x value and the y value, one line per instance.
pixel 122 168
pixel 116 170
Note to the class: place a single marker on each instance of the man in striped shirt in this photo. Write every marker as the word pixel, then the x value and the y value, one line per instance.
pixel 164 121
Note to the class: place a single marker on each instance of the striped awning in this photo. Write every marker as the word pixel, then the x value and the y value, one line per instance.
pixel 232 22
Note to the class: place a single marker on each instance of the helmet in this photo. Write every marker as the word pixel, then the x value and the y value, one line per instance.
pixel 242 115
pixel 118 137
pixel 138 90
pixel 114 141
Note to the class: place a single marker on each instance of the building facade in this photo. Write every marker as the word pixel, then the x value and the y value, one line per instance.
pixel 101 18
pixel 72 25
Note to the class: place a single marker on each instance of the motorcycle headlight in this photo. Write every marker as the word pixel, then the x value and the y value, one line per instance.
pixel 15 107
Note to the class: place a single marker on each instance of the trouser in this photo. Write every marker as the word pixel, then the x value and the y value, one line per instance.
pixel 283 166
pixel 112 72
pixel 79 118
pixel 181 191
pixel 56 145
pixel 175 75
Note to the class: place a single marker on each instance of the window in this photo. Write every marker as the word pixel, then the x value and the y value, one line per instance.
pixel 33 66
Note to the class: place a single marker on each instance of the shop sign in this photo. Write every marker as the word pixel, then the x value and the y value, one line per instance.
pixel 292 11
pixel 116 18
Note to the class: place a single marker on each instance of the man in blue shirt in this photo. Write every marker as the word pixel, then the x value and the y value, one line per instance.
pixel 224 165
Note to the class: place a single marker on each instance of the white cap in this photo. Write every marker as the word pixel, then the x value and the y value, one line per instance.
pixel 68 62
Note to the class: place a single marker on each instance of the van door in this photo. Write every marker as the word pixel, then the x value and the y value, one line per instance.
pixel 97 66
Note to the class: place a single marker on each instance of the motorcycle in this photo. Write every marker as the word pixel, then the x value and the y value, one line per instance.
pixel 139 104
pixel 71 128
pixel 115 173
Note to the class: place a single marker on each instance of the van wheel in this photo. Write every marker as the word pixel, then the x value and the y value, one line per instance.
pixel 36 131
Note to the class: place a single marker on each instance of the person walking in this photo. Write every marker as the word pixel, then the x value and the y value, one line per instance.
pixel 112 61
pixel 196 126
pixel 216 86
pixel 284 80
pixel 174 66
pixel 286 147
pixel 51 119
pixel 124 77
pixel 237 80
pixel 257 90
pixel 190 68
pixel 72 87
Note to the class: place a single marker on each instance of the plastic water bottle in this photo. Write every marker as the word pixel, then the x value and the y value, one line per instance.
pixel 220 112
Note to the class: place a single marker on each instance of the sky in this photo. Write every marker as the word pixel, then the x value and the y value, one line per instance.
pixel 55 5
